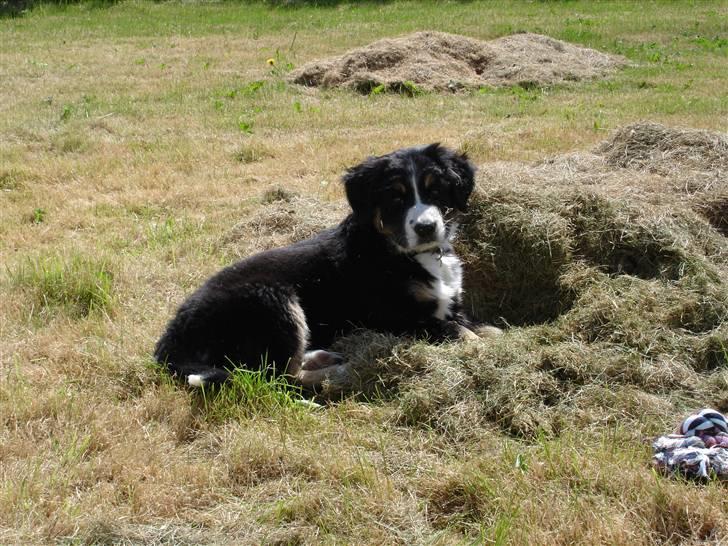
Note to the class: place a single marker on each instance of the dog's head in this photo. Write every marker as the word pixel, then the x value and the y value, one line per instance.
pixel 411 196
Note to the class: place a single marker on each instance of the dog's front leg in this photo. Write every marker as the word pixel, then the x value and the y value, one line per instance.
pixel 461 328
pixel 319 365
pixel 438 331
pixel 464 327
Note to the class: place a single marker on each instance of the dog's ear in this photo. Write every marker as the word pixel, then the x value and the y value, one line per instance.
pixel 359 183
pixel 464 179
pixel 460 171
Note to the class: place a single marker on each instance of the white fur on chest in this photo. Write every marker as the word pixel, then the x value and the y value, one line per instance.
pixel 446 286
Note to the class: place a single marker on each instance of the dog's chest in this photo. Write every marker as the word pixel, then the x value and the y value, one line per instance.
pixel 445 287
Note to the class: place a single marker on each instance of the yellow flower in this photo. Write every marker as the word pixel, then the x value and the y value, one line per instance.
pixel 271 61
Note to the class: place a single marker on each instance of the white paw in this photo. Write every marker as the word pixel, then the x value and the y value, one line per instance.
pixel 466 334
pixel 319 366
pixel 486 330
pixel 195 380
pixel 316 360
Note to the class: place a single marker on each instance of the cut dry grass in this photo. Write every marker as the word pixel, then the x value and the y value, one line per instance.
pixel 715 209
pixel 283 218
pixel 145 145
pixel 664 150
pixel 625 294
pixel 436 61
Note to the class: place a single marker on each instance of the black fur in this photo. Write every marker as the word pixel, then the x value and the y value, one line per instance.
pixel 357 274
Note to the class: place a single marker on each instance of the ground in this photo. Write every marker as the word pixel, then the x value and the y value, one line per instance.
pixel 145 145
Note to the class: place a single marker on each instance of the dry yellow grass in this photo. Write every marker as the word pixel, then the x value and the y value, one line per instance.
pixel 447 63
pixel 137 141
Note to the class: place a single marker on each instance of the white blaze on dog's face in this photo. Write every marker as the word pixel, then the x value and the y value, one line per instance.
pixel 424 224
pixel 412 196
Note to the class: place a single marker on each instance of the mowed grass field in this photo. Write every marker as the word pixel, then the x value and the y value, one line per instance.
pixel 138 139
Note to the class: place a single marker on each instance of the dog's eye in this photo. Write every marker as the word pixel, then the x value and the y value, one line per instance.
pixel 396 193
pixel 432 180
pixel 435 189
pixel 432 184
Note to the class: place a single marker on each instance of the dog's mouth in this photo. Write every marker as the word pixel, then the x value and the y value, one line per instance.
pixel 428 246
pixel 420 248
pixel 433 234
pixel 435 242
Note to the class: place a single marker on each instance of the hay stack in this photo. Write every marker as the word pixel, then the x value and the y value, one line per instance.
pixel 436 61
pixel 695 161
pixel 283 218
pixel 614 285
pixel 663 150
pixel 610 276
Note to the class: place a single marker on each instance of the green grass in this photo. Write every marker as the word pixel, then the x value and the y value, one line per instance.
pixel 144 143
pixel 79 284
pixel 11 180
pixel 660 55
pixel 251 395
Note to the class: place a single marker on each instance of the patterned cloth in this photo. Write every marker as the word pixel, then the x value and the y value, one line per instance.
pixel 700 451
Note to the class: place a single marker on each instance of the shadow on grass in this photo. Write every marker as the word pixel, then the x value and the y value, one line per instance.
pixel 18 8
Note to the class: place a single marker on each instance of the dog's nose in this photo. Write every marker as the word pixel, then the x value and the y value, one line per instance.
pixel 425 229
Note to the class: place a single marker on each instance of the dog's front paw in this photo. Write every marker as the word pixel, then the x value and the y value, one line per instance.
pixel 316 360
pixel 483 331
pixel 319 366
pixel 486 331
pixel 466 334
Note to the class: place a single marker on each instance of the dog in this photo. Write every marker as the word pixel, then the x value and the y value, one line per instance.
pixel 388 266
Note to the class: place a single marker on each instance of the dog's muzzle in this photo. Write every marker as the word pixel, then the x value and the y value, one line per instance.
pixel 424 227
pixel 426 230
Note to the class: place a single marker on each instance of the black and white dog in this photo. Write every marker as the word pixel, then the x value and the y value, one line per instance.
pixel 388 266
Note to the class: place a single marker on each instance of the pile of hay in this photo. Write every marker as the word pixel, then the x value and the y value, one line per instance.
pixel 665 150
pixel 607 269
pixel 611 283
pixel 284 218
pixel 437 61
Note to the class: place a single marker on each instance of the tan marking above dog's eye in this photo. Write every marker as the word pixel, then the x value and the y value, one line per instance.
pixel 429 179
pixel 379 223
pixel 399 187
